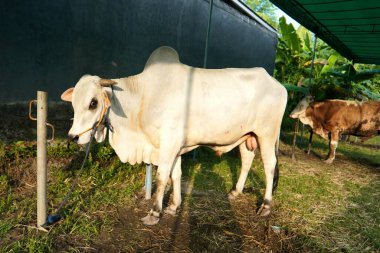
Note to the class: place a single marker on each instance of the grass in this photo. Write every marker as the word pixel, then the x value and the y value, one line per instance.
pixel 318 207
pixel 367 152
pixel 101 185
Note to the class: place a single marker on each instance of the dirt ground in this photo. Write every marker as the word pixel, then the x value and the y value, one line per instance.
pixel 231 226
pixel 207 220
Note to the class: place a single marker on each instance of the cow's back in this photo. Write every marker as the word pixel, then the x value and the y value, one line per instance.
pixel 208 103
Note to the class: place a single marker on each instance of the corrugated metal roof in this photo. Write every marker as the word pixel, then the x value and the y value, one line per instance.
pixel 352 27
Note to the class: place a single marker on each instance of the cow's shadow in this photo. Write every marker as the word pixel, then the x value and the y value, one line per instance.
pixel 205 201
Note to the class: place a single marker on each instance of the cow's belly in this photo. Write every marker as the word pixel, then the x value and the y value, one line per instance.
pixel 361 133
pixel 221 127
pixel 218 133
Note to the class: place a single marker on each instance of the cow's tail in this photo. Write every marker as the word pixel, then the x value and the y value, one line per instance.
pixel 276 175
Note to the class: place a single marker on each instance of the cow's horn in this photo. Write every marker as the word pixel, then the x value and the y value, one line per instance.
pixel 106 82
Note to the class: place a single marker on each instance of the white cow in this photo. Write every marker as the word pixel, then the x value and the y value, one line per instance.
pixel 171 108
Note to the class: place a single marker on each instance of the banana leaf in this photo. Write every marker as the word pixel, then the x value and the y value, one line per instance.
pixel 292 87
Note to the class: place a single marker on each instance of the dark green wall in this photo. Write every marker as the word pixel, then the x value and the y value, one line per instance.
pixel 48 45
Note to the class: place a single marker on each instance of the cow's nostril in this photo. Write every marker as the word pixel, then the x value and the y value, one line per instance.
pixel 75 139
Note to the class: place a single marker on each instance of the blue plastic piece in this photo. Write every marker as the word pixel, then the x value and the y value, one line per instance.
pixel 53 219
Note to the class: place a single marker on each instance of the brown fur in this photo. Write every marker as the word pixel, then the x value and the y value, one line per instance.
pixel 353 118
pixel 331 118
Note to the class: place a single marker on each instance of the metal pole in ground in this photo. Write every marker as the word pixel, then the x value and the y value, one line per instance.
pixel 206 50
pixel 41 158
pixel 148 182
pixel 296 126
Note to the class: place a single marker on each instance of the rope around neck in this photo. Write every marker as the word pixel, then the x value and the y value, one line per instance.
pixel 55 217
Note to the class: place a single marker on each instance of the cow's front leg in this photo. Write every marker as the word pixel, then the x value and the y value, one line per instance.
pixel 334 137
pixel 310 140
pixel 168 155
pixel 176 179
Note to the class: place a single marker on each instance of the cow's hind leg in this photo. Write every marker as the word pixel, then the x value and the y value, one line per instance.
pixel 267 149
pixel 176 178
pixel 246 162
pixel 334 138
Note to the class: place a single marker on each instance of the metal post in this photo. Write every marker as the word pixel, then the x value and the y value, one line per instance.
pixel 206 50
pixel 312 58
pixel 296 126
pixel 148 182
pixel 41 158
pixel 302 130
pixel 208 34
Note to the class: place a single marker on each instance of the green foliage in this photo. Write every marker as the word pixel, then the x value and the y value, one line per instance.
pixel 294 88
pixel 105 152
pixel 61 149
pixel 104 183
pixel 289 36
pixel 21 149
pixel 333 76
pixel 2 149
pixel 5 201
pixel 3 183
pixel 265 9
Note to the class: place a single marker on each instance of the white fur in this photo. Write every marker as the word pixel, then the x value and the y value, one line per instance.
pixel 300 110
pixel 171 108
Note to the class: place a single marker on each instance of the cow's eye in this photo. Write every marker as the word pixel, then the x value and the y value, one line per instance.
pixel 93 104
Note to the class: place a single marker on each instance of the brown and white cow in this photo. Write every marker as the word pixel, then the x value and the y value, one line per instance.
pixel 331 118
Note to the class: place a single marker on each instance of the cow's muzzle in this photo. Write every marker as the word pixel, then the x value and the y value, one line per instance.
pixel 74 138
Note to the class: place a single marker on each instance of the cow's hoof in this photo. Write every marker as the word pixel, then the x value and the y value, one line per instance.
pixel 263 211
pixel 328 161
pixel 150 219
pixel 233 194
pixel 171 210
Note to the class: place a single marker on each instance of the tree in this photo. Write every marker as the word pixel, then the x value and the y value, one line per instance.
pixel 265 9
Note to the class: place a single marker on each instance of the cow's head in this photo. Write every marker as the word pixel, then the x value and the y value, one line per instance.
pixel 300 110
pixel 90 98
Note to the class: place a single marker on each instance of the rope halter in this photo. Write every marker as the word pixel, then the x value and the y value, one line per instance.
pixel 102 120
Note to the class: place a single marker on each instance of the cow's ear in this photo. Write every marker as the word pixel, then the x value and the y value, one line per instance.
pixel 67 95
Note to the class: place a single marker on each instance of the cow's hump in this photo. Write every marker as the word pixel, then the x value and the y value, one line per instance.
pixel 162 54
